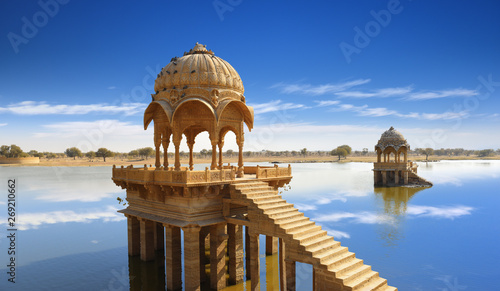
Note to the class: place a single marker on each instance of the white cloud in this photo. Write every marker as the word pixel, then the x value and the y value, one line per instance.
pixel 275 105
pixel 449 212
pixel 305 207
pixel 442 94
pixel 319 89
pixel 42 108
pixel 360 217
pixel 94 241
pixel 327 103
pixel 364 110
pixel 91 129
pixel 2 203
pixel 36 219
pixel 111 88
pixel 380 93
pixel 3 124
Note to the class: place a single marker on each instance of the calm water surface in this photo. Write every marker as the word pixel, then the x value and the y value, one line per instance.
pixel 441 238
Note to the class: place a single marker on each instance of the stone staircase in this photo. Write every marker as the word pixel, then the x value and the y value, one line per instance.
pixel 303 234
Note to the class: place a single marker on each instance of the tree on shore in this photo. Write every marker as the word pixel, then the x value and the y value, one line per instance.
pixel 104 153
pixel 303 152
pixel 90 154
pixel 73 153
pixel 347 148
pixel 146 152
pixel 12 151
pixel 427 152
pixel 340 152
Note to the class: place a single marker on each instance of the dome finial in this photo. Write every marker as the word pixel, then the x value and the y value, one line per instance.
pixel 392 128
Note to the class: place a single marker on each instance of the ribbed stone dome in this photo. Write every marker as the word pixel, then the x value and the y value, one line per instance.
pixel 199 68
pixel 391 137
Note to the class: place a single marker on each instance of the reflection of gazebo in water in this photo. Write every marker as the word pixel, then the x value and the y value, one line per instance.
pixel 395 204
pixel 395 169
pixel 222 208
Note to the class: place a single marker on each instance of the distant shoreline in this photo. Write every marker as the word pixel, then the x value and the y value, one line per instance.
pixel 85 162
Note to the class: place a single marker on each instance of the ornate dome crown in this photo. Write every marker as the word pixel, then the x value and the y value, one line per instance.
pixel 391 137
pixel 198 73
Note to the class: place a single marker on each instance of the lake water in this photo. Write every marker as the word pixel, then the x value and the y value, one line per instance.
pixel 441 238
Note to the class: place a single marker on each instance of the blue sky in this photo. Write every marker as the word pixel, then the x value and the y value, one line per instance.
pixel 319 74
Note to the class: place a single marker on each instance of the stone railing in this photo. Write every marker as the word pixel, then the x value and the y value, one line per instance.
pixel 391 165
pixel 168 176
pixel 269 172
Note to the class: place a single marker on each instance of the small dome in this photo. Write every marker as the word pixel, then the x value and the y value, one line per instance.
pixel 391 137
pixel 199 69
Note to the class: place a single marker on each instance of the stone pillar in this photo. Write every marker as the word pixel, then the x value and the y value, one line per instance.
pixel 384 177
pixel 165 142
pixel 271 245
pixel 290 274
pixel 247 253
pixel 221 144
pixel 173 259
pixel 378 157
pixel 191 163
pixel 134 237
pixel 192 258
pixel 204 241
pixel 218 239
pixel 235 252
pixel 177 163
pixel 213 166
pixel 240 172
pixel 405 157
pixel 396 177
pixel 147 240
pixel 159 236
pixel 282 265
pixel 254 262
pixel 405 177
pixel 157 140
pixel 385 158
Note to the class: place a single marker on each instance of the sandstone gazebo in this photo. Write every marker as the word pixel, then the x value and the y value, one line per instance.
pixel 222 208
pixel 195 93
pixel 392 167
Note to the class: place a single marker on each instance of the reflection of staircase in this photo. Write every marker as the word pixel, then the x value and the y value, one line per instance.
pixel 304 237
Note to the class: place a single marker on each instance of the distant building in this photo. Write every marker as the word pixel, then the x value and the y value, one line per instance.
pixel 392 167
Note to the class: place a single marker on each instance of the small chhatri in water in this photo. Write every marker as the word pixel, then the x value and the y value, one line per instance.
pixel 395 169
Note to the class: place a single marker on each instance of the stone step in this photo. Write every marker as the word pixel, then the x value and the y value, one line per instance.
pixel 379 284
pixel 266 198
pixel 259 194
pixel 269 202
pixel 302 231
pixel 321 249
pixel 248 186
pixel 284 213
pixel 362 281
pixel 294 221
pixel 341 259
pixel 275 208
pixel 318 243
pixel 346 267
pixel 354 274
pixel 330 255
pixel 287 216
pixel 389 288
pixel 311 235
pixel 292 228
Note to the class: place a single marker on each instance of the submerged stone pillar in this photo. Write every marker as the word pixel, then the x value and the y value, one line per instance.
pixel 218 239
pixel 282 265
pixel 290 275
pixel 254 262
pixel 134 237
pixel 247 253
pixel 384 177
pixel 405 177
pixel 235 252
pixel 159 236
pixel 396 177
pixel 271 245
pixel 192 258
pixel 147 240
pixel 173 259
